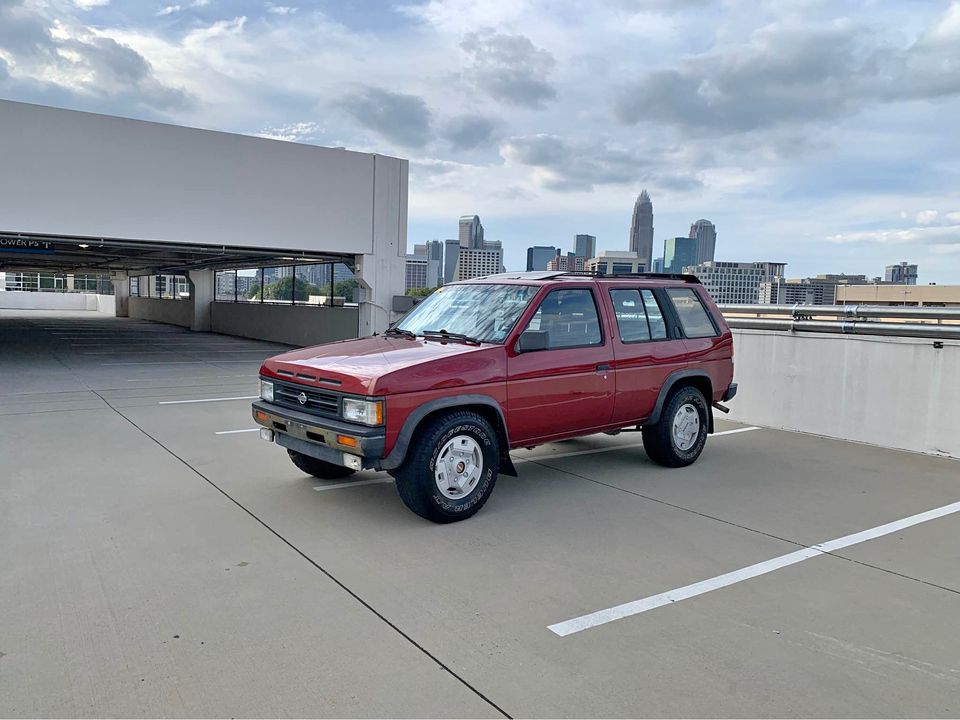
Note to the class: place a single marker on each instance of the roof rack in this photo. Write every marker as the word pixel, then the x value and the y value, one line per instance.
pixel 685 277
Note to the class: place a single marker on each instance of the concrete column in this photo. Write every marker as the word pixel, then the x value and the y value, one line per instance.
pixel 381 274
pixel 201 295
pixel 121 294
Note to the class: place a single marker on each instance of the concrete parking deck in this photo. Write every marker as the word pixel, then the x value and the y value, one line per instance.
pixel 160 560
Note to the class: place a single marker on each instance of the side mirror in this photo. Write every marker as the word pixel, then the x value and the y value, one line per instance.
pixel 533 340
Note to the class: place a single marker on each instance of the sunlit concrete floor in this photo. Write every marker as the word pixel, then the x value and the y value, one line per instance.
pixel 153 567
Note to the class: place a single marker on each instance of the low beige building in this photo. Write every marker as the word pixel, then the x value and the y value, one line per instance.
pixel 932 295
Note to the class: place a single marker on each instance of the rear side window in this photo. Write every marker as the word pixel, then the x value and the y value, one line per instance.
pixel 570 319
pixel 638 315
pixel 693 316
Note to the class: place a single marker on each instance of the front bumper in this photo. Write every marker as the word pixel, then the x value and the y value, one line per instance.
pixel 316 436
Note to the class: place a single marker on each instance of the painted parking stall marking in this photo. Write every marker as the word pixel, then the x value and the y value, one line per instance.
pixel 618 612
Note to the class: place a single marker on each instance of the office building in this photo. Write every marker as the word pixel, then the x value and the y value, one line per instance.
pixel 471 232
pixel 434 253
pixel 705 233
pixel 615 262
pixel 819 290
pixel 678 253
pixel 901 274
pixel 641 229
pixel 566 263
pixel 735 282
pixel 451 256
pixel 539 255
pixel 479 262
pixel 585 246
pixel 416 272
pixel 657 265
pixel 903 295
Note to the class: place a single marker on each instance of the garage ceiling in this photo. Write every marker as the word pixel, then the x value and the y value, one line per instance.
pixel 59 254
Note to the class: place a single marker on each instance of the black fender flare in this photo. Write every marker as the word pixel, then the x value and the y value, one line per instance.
pixel 399 451
pixel 668 385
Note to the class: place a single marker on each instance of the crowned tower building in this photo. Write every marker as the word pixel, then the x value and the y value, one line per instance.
pixel 641 229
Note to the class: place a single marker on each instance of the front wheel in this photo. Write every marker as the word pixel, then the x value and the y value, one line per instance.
pixel 677 439
pixel 319 468
pixel 450 468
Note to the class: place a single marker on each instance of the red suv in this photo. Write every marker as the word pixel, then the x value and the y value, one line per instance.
pixel 501 362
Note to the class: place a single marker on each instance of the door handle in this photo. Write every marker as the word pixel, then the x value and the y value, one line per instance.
pixel 603 368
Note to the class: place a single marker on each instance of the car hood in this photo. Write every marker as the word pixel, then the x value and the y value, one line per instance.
pixel 387 364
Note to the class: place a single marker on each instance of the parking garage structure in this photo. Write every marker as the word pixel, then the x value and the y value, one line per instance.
pixel 210 231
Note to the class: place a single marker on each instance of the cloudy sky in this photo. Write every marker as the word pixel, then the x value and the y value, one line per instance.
pixel 823 134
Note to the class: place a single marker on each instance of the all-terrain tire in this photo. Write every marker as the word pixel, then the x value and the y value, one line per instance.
pixel 319 468
pixel 417 480
pixel 667 447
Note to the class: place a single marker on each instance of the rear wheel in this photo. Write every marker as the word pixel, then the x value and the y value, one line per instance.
pixel 678 438
pixel 450 468
pixel 319 468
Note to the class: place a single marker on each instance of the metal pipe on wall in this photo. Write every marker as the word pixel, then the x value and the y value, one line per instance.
pixel 849 327
pixel 859 311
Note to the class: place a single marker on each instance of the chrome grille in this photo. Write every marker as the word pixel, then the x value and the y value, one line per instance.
pixel 322 403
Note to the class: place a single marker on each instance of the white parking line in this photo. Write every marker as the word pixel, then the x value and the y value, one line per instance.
pixel 575 453
pixel 355 483
pixel 206 400
pixel 601 617
pixel 234 432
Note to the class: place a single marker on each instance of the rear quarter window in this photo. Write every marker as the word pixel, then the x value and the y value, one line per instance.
pixel 694 319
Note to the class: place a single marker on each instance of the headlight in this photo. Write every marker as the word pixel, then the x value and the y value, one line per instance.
pixel 368 412
pixel 266 390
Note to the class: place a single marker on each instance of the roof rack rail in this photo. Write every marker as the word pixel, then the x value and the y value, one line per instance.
pixel 650 275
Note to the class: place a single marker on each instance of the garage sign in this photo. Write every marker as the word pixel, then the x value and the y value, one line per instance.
pixel 24 245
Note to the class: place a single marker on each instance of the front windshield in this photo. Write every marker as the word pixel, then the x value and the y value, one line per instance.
pixel 484 312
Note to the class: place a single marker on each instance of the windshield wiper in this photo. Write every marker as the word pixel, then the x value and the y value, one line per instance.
pixel 399 331
pixel 444 335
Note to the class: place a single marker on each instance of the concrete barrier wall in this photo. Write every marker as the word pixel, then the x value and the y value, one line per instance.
pixel 294 325
pixel 106 304
pixel 173 312
pixel 894 392
pixel 20 300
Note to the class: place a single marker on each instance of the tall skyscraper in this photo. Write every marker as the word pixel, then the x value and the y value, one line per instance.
pixel 471 232
pixel 539 255
pixel 434 253
pixel 585 246
pixel 902 274
pixel 705 233
pixel 641 229
pixel 678 253
pixel 451 256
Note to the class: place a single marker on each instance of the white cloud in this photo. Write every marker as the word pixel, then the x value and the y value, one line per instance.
pixel 90 4
pixel 940 235
pixel 280 9
pixel 295 132
pixel 173 9
pixel 926 217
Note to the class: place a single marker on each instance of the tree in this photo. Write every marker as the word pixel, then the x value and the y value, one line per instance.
pixel 420 292
pixel 282 290
pixel 343 288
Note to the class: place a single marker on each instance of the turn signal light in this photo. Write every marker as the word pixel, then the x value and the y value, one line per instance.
pixel 262 416
pixel 347 440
